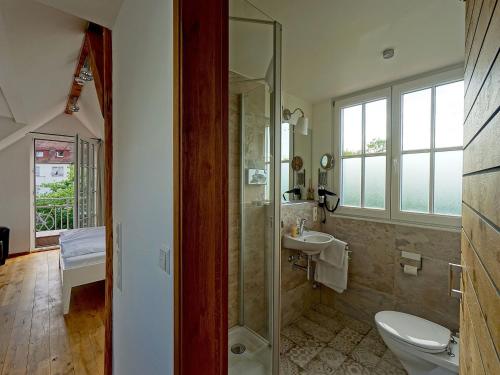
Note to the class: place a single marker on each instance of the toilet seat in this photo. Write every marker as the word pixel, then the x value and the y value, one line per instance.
pixel 425 336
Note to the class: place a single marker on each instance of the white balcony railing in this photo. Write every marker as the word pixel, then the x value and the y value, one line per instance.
pixel 54 214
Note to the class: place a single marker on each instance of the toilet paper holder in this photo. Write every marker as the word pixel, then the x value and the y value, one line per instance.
pixel 410 259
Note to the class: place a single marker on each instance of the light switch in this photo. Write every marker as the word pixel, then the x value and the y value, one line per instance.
pixel 119 256
pixel 164 259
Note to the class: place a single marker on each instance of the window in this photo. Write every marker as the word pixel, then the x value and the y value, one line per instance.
pixel 400 151
pixel 37 171
pixel 427 152
pixel 286 152
pixel 39 154
pixel 363 129
pixel 59 154
pixel 57 171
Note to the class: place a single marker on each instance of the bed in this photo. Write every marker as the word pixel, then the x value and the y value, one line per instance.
pixel 82 259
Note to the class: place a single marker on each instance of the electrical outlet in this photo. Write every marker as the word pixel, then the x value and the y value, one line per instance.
pixel 315 214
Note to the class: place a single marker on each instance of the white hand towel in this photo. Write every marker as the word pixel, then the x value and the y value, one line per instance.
pixel 334 254
pixel 332 277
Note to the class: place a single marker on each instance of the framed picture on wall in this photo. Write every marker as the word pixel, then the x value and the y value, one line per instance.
pixel 256 176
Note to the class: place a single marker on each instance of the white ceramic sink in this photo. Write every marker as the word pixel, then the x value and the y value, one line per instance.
pixel 310 243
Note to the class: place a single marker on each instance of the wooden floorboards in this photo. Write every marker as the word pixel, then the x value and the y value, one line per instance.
pixel 35 337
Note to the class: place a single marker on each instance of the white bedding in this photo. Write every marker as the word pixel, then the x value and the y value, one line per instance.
pixel 83 260
pixel 82 242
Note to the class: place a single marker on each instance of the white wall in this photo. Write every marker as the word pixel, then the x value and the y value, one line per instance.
pixel 142 186
pixel 322 138
pixel 16 182
pixel 8 126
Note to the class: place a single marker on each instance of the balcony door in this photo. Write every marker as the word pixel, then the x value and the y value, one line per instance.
pixel 87 202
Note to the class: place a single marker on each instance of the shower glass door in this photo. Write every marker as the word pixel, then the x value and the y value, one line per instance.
pixel 254 233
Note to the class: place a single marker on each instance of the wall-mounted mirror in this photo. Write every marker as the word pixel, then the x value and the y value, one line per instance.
pixel 327 162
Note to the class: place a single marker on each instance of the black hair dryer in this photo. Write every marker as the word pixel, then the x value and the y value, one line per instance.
pixel 322 200
pixel 295 191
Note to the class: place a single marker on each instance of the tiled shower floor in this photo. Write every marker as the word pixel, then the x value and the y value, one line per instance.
pixel 325 341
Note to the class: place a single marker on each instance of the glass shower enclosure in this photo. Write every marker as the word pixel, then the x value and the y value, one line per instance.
pixel 254 190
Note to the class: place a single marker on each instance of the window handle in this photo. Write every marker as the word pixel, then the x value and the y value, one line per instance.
pixel 395 164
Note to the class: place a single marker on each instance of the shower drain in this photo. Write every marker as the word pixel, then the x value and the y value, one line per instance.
pixel 238 348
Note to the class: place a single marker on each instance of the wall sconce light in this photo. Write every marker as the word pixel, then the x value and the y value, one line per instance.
pixel 302 124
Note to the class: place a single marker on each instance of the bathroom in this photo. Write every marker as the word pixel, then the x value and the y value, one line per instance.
pixel 353 232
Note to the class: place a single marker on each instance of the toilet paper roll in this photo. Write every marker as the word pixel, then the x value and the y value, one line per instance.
pixel 410 270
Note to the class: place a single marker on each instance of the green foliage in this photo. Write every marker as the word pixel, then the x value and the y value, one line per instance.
pixel 374 146
pixel 61 194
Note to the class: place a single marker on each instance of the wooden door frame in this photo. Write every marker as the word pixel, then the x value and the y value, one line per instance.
pixel 200 187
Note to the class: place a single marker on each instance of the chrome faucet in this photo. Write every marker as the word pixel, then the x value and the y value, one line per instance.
pixel 302 226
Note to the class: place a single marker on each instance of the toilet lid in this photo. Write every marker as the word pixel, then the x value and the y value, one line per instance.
pixel 414 330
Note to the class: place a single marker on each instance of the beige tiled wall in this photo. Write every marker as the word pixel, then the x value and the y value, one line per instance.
pixel 297 294
pixel 376 279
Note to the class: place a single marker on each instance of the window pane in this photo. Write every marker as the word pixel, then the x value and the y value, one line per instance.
pixel 449 114
pixel 448 183
pixel 351 182
pixel 285 141
pixel 285 178
pixel 376 125
pixel 351 130
pixel 417 120
pixel 415 183
pixel 375 182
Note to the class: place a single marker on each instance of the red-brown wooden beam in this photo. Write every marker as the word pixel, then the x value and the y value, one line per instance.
pixel 76 89
pixel 201 155
pixel 93 49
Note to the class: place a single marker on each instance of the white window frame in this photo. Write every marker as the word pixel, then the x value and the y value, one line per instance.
pixel 393 93
pixel 384 93
pixel 431 81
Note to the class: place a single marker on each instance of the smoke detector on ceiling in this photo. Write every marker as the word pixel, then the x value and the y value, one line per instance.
pixel 388 53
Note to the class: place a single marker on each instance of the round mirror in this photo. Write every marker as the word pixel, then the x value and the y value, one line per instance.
pixel 326 161
pixel 297 163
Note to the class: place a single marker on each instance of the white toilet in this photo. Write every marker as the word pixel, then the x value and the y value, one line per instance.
pixel 423 347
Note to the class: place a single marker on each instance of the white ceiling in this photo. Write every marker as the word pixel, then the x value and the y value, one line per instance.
pixel 334 47
pixel 39 49
pixel 102 12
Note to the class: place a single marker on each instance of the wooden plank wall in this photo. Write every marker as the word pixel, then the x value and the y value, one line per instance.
pixel 480 307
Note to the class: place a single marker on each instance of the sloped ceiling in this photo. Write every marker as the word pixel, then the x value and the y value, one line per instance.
pixel 334 47
pixel 39 48
pixel 102 12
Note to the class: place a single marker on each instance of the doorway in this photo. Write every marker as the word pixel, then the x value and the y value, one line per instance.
pixel 53 190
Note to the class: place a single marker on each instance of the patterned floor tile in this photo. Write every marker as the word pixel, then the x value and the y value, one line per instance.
pixel 285 344
pixel 392 359
pixel 375 335
pixel 287 367
pixel 314 330
pixel 350 367
pixel 342 344
pixel 365 357
pixel 318 367
pixel 331 357
pixel 351 335
pixel 354 324
pixel 325 310
pixel 302 355
pixel 373 345
pixel 325 321
pixel 385 368
pixel 295 334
